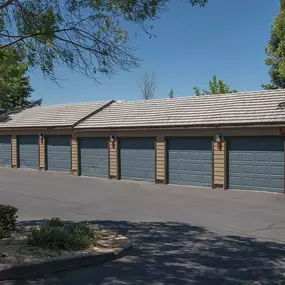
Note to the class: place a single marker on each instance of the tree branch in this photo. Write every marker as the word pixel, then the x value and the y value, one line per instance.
pixel 79 45
pixel 6 4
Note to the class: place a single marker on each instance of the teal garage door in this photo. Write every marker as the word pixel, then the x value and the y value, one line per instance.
pixel 94 157
pixel 190 161
pixel 137 159
pixel 256 163
pixel 5 151
pixel 28 148
pixel 58 153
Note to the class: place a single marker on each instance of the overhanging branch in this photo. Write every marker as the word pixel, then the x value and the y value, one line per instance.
pixel 6 4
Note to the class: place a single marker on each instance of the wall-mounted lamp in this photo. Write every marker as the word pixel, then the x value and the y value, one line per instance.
pixel 113 140
pixel 218 138
pixel 41 137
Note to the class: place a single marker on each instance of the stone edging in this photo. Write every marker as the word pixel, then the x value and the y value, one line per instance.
pixel 44 267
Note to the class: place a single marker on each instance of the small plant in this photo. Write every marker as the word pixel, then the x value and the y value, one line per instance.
pixel 57 235
pixel 8 218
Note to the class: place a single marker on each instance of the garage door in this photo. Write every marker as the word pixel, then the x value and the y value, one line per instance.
pixel 58 153
pixel 137 159
pixel 256 163
pixel 5 151
pixel 94 157
pixel 28 152
pixel 190 162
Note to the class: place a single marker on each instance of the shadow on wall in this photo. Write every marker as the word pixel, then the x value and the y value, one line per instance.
pixel 176 253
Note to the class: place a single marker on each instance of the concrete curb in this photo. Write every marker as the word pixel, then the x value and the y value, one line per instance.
pixel 45 267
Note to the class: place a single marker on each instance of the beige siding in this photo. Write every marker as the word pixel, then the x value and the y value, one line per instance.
pixel 113 159
pixel 160 159
pixel 42 153
pixel 219 164
pixel 14 151
pixel 74 155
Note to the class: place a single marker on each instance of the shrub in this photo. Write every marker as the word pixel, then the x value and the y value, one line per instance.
pixel 57 235
pixel 8 218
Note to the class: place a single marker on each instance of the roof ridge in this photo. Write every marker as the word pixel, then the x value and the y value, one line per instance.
pixel 202 96
pixel 70 104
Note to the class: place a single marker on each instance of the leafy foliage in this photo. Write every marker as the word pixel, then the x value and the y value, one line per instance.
pixel 86 36
pixel 57 235
pixel 8 218
pixel 15 88
pixel 275 51
pixel 215 87
pixel 171 93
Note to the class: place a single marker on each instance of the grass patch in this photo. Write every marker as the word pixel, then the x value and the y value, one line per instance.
pixel 56 235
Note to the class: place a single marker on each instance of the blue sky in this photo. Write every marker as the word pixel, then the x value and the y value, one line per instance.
pixel 226 38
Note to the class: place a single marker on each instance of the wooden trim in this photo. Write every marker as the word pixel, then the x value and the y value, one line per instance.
pixel 165 162
pixel 79 156
pixel 155 162
pixel 77 149
pixel 186 127
pixel 11 150
pixel 118 159
pixel 109 158
pixel 213 165
pixel 17 152
pixel 39 154
pixel 71 154
pixel 46 153
pixel 225 166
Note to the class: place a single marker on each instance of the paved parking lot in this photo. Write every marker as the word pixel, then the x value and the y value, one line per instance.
pixel 182 235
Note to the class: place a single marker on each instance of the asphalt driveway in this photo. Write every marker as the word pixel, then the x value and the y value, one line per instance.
pixel 181 235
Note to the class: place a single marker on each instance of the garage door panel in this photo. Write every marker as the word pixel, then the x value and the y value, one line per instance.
pixel 28 152
pixel 277 157
pixel 206 156
pixel 277 170
pixel 207 168
pixel 190 161
pixel 247 169
pixel 260 166
pixel 262 182
pixel 195 156
pixel 94 157
pixel 195 167
pixel 5 151
pixel 260 170
pixel 137 159
pixel 247 156
pixel 207 179
pixel 234 156
pixel 58 153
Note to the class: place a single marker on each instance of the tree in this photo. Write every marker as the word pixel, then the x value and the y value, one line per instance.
pixel 275 51
pixel 171 93
pixel 88 36
pixel 269 86
pixel 15 87
pixel 148 85
pixel 215 87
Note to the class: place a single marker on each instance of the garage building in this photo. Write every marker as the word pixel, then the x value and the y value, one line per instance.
pixel 232 141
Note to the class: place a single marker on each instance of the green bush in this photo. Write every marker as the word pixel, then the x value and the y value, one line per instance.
pixel 57 235
pixel 8 218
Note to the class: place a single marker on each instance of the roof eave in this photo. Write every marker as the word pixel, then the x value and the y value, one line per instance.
pixel 182 127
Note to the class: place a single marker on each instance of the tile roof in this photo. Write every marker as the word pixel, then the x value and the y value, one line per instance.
pixel 50 116
pixel 228 109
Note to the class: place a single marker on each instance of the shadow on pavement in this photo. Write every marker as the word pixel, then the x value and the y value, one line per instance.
pixel 176 253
